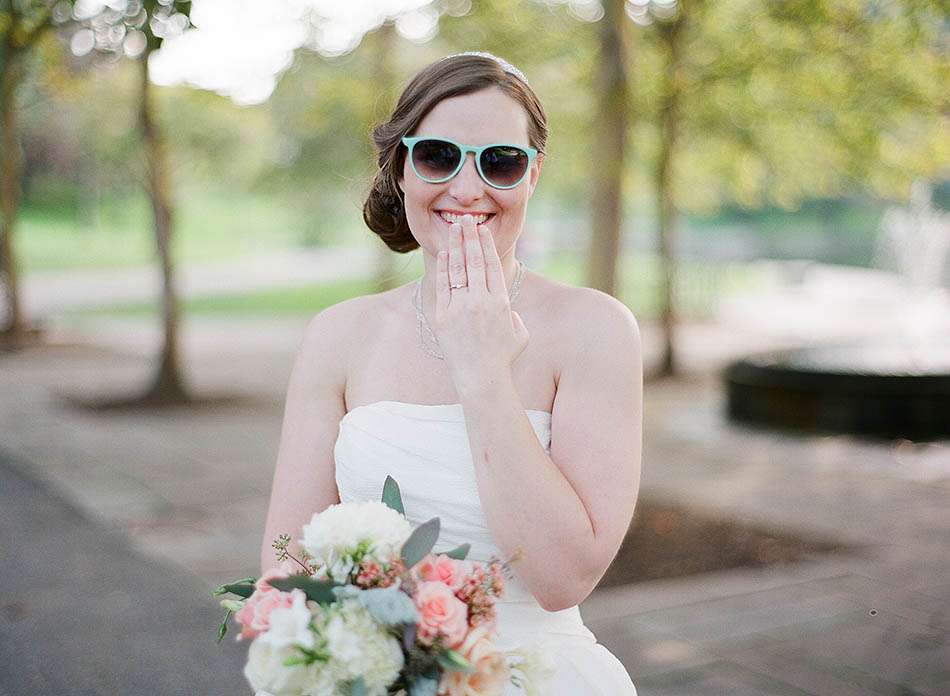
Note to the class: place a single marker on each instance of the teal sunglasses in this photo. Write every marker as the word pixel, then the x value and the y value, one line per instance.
pixel 501 165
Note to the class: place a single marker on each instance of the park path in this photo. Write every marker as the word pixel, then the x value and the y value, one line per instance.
pixel 48 292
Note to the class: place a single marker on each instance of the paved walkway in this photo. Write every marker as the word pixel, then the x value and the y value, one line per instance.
pixel 46 292
pixel 188 490
pixel 82 613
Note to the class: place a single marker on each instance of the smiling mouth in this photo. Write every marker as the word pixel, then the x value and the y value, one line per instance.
pixel 450 218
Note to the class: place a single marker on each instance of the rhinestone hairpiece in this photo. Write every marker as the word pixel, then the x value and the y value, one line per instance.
pixel 505 65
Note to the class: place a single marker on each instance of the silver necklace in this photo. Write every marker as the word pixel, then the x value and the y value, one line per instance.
pixel 425 329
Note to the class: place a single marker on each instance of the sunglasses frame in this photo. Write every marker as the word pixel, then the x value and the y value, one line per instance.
pixel 410 143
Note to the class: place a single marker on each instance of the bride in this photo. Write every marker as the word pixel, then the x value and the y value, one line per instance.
pixel 505 403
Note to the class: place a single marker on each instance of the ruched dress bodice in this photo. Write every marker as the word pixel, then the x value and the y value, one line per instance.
pixel 425 448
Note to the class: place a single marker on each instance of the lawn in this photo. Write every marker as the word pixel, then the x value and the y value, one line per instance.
pixel 697 287
pixel 210 225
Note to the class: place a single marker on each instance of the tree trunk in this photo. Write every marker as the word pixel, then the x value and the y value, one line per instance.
pixel 666 209
pixel 14 328
pixel 15 44
pixel 168 385
pixel 608 149
pixel 384 86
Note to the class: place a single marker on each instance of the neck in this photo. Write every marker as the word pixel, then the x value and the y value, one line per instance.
pixel 509 266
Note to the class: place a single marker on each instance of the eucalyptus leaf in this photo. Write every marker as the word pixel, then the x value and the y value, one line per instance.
pixel 391 495
pixel 423 686
pixel 320 591
pixel 459 553
pixel 420 542
pixel 389 605
pixel 358 688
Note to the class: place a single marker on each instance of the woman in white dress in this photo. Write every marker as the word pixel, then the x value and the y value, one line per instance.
pixel 508 404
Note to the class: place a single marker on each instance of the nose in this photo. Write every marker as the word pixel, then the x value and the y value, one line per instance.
pixel 467 186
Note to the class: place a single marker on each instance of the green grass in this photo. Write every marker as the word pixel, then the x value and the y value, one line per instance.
pixel 210 225
pixel 697 287
pixel 302 300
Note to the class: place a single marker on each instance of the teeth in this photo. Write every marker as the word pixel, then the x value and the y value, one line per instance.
pixel 452 217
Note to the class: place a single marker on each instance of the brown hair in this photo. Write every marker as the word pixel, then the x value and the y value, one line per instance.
pixel 384 210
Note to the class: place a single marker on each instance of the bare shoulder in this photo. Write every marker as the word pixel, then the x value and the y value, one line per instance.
pixel 332 333
pixel 604 315
pixel 589 316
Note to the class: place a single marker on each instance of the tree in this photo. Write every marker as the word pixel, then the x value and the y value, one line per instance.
pixel 776 102
pixel 670 97
pixel 22 23
pixel 385 44
pixel 137 30
pixel 609 148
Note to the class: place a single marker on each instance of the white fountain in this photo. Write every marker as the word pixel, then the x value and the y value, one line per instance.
pixel 871 348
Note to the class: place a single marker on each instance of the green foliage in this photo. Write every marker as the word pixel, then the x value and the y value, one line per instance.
pixel 391 495
pixel 389 605
pixel 319 591
pixel 242 588
pixel 454 661
pixel 223 626
pixel 420 542
pixel 787 101
pixel 459 553
pixel 781 103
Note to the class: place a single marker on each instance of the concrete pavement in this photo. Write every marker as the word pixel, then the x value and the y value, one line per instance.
pixel 187 491
pixel 83 613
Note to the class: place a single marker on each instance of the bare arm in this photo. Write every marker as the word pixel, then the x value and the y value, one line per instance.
pixel 568 512
pixel 304 481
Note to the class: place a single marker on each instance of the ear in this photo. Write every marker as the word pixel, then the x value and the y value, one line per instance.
pixel 535 174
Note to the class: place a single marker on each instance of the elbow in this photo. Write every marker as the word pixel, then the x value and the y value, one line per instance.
pixel 567 595
pixel 563 599
pixel 555 603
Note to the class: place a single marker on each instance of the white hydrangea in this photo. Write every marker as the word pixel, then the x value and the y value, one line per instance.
pixel 267 673
pixel 361 647
pixel 352 644
pixel 334 536
pixel 291 625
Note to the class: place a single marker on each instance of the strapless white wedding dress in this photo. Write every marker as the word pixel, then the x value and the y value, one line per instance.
pixel 425 448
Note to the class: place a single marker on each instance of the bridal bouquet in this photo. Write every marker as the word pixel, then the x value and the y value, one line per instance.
pixel 369 610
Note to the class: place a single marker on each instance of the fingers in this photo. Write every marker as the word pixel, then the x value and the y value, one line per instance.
pixel 474 258
pixel 442 282
pixel 457 275
pixel 494 275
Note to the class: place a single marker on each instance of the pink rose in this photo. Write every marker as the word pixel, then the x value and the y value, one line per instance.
pixel 254 616
pixel 490 672
pixel 440 612
pixel 443 569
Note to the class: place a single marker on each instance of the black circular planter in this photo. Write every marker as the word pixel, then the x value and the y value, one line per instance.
pixel 813 389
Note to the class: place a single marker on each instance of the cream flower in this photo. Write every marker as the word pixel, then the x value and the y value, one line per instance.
pixel 361 647
pixel 490 673
pixel 265 670
pixel 335 537
pixel 290 626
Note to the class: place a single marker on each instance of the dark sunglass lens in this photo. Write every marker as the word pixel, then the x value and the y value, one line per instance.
pixel 504 166
pixel 435 159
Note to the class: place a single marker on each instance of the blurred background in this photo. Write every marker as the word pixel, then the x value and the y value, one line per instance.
pixel 764 184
